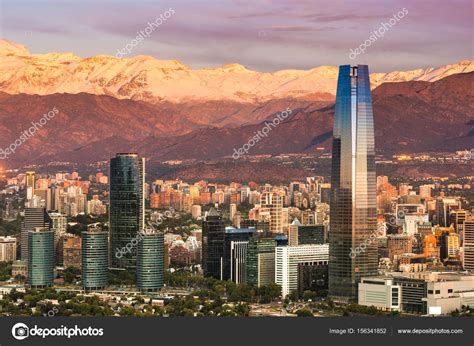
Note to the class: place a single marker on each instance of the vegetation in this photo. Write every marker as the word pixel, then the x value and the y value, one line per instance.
pixel 10 227
pixel 5 270
pixel 213 288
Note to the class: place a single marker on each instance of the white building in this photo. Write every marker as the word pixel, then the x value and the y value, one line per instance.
pixel 287 259
pixel 380 292
pixel 196 211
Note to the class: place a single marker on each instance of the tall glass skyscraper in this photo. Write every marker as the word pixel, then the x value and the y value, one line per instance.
pixel 95 259
pixel 353 218
pixel 150 260
pixel 213 234
pixel 127 207
pixel 40 257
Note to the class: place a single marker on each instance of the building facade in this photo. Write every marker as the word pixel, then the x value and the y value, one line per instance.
pixel 127 205
pixel 353 185
pixel 95 259
pixel 150 261
pixel 40 257
pixel 287 259
pixel 261 261
pixel 213 233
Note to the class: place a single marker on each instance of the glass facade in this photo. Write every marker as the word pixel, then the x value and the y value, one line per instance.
pixel 150 261
pixel 40 257
pixel 261 261
pixel 353 185
pixel 235 251
pixel 95 259
pixel 213 231
pixel 127 206
pixel 310 234
pixel 34 217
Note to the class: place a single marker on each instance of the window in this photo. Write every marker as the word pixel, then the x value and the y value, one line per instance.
pixel 437 292
pixel 450 290
pixel 430 291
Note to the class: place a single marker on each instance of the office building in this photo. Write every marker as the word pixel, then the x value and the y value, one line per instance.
pixel 127 205
pixel 150 260
pixel 353 216
pixel 40 257
pixel 34 218
pixel 213 233
pixel 261 261
pixel 287 259
pixel 95 259
pixel 380 292
pixel 235 253
pixel 299 234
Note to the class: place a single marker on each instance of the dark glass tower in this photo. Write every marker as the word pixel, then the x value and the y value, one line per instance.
pixel 353 185
pixel 34 217
pixel 235 253
pixel 213 232
pixel 127 207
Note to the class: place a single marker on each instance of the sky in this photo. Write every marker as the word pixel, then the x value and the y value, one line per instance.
pixel 263 35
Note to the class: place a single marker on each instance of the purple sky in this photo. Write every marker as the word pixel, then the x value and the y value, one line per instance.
pixel 263 35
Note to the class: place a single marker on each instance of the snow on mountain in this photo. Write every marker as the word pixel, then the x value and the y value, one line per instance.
pixel 149 79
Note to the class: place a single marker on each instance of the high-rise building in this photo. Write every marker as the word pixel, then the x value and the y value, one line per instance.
pixel 444 207
pixel 7 249
pixel 30 184
pixel 469 244
pixel 235 253
pixel 150 260
pixel 95 259
pixel 34 217
pixel 299 234
pixel 213 233
pixel 72 251
pixel 58 225
pixel 353 185
pixel 274 202
pixel 287 259
pixel 40 257
pixel 127 205
pixel 261 261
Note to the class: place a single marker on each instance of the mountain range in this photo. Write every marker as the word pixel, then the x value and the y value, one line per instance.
pixel 167 111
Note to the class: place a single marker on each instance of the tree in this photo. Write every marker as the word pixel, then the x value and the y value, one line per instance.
pixel 304 313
